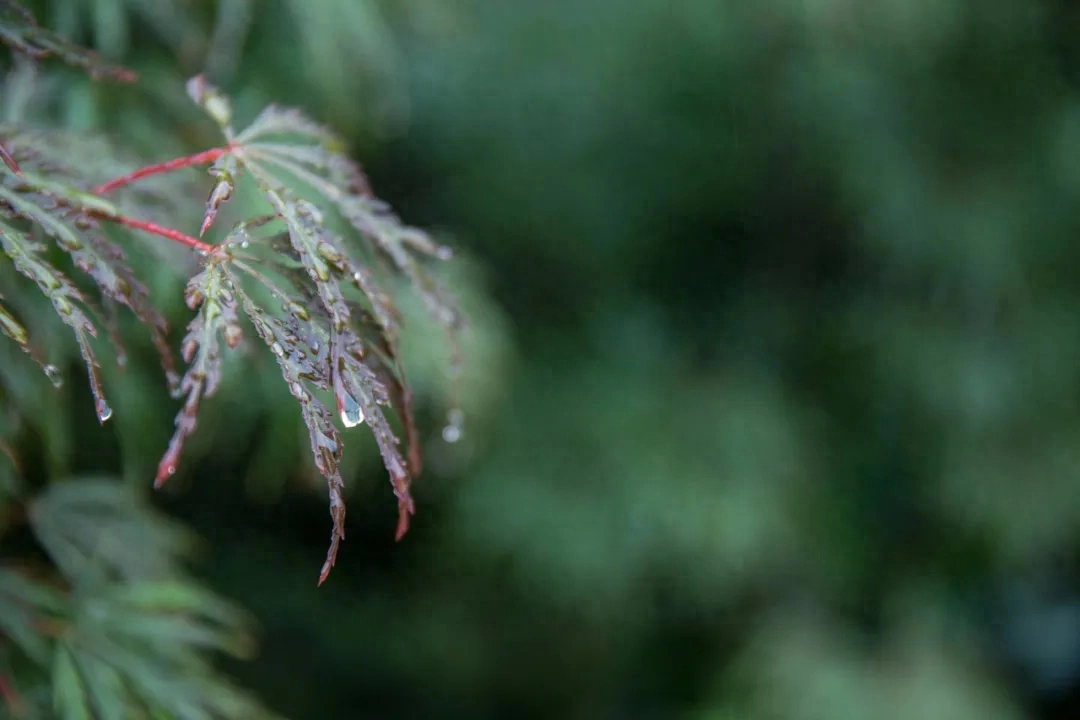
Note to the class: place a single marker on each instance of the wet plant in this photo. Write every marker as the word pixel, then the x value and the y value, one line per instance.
pixel 104 621
pixel 307 278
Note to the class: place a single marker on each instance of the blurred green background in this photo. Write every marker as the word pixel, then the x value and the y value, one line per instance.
pixel 773 374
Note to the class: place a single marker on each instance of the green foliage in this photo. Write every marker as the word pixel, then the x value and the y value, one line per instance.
pixel 20 32
pixel 68 215
pixel 323 340
pixel 345 346
pixel 772 353
pixel 110 627
pixel 125 634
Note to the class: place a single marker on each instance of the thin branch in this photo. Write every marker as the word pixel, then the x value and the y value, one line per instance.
pixel 203 158
pixel 155 229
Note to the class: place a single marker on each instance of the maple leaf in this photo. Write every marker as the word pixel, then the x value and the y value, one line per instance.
pixel 330 325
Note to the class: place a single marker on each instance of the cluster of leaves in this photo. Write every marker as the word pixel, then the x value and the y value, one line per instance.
pixel 110 627
pixel 310 294
pixel 335 328
pixel 124 635
pixel 48 201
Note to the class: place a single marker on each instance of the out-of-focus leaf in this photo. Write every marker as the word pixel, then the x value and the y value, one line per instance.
pixel 105 686
pixel 97 528
pixel 22 603
pixel 20 32
pixel 69 693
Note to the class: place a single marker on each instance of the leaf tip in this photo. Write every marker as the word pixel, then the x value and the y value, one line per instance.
pixel 166 469
pixel 405 509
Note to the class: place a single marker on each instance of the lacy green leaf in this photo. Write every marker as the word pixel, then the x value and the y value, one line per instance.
pixel 329 323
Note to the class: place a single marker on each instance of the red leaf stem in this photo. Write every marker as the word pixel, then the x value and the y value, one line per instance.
pixel 203 158
pixel 155 229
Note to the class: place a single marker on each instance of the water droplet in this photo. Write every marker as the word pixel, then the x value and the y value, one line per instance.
pixel 104 412
pixel 452 432
pixel 53 373
pixel 444 253
pixel 277 349
pixel 351 414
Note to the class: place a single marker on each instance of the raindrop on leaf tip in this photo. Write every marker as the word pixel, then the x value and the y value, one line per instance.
pixel 54 375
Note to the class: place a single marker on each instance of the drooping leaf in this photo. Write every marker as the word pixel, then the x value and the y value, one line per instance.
pixel 212 293
pixel 52 199
pixel 292 349
pixel 68 301
pixel 64 215
pixel 323 337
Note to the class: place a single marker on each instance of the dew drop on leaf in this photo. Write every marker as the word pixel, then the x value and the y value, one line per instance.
pixel 351 414
pixel 53 373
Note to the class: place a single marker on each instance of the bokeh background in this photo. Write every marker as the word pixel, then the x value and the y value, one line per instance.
pixel 772 374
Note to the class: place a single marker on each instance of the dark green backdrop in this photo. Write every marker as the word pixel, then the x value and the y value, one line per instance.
pixel 773 395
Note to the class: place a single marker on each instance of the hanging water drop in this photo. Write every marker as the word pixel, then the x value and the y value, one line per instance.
pixel 53 373
pixel 444 253
pixel 104 412
pixel 351 414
